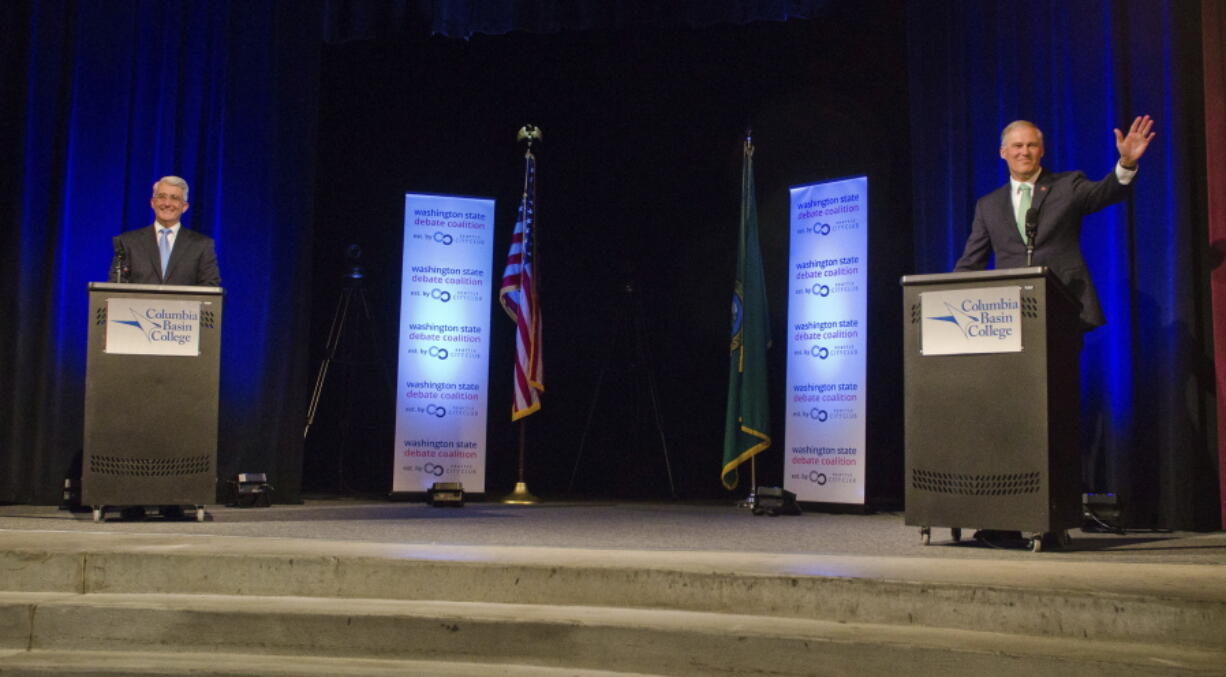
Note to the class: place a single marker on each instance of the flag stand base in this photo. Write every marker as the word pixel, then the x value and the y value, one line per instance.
pixel 521 495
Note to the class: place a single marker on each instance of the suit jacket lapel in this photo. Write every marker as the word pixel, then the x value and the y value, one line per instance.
pixel 1008 217
pixel 151 250
pixel 177 252
pixel 1041 188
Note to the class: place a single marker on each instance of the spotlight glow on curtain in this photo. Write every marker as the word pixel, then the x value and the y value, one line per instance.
pixel 1078 70
pixel 109 96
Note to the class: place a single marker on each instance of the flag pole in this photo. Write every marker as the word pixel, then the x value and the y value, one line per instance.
pixel 752 497
pixel 747 421
pixel 521 495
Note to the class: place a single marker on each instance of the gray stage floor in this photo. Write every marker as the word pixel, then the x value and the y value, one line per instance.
pixel 621 526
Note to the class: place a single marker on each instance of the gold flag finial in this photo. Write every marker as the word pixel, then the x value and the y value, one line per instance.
pixel 529 132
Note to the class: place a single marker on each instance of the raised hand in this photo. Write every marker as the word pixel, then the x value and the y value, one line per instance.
pixel 1133 144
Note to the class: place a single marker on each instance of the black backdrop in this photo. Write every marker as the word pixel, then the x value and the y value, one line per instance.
pixel 639 185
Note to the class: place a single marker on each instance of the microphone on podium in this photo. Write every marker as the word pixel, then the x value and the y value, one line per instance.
pixel 120 270
pixel 1032 227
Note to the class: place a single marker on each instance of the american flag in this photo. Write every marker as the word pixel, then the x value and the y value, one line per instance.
pixel 519 298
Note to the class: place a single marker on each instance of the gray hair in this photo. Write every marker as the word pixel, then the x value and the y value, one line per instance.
pixel 172 181
pixel 1019 123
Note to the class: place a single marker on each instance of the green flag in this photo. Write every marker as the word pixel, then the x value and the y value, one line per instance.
pixel 747 425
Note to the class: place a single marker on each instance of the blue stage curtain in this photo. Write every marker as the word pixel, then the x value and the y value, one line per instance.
pixel 371 19
pixel 1079 69
pixel 99 100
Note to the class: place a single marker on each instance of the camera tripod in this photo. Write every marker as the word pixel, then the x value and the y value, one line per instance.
pixel 641 369
pixel 352 301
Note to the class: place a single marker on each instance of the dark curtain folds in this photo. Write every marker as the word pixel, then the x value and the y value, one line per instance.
pixel 1078 70
pixel 1214 32
pixel 347 20
pixel 101 99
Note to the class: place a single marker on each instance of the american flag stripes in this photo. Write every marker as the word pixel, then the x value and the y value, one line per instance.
pixel 518 296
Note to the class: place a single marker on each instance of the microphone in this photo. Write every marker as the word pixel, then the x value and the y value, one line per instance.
pixel 1032 227
pixel 120 270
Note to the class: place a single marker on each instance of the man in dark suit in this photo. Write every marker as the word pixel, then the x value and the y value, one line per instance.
pixel 166 252
pixel 1055 203
pixel 1060 201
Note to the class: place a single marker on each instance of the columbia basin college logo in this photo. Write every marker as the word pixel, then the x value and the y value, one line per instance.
pixel 162 326
pixel 972 321
pixel 977 319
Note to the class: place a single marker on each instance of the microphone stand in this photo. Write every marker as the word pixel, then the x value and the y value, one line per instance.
pixel 1032 227
pixel 120 269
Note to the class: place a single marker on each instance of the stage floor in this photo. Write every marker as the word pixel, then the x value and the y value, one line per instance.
pixel 615 525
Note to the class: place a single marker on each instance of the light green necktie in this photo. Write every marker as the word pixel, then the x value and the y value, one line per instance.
pixel 1023 206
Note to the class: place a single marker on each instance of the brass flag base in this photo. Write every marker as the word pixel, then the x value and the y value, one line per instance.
pixel 521 495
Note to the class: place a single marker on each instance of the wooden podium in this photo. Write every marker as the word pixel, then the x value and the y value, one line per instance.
pixel 991 432
pixel 151 397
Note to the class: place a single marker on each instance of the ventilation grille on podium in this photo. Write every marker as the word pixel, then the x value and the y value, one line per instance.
pixel 149 467
pixel 975 485
pixel 1030 307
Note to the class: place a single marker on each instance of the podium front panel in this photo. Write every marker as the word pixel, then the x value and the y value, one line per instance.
pixel 151 420
pixel 991 438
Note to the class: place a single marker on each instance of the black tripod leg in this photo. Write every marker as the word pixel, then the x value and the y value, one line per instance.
pixel 376 346
pixel 334 341
pixel 644 350
pixel 591 413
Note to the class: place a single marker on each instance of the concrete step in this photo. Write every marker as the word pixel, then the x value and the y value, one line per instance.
pixel 123 663
pixel 575 638
pixel 1179 605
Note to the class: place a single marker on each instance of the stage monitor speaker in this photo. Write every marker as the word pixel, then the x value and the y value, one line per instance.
pixel 250 490
pixel 774 501
pixel 1102 512
pixel 446 495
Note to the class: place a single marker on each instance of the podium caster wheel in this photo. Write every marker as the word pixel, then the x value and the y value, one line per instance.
pixel 956 534
pixel 200 513
pixel 1036 543
pixel 99 513
pixel 925 535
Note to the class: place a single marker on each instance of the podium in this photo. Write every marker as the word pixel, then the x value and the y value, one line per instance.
pixel 991 387
pixel 151 397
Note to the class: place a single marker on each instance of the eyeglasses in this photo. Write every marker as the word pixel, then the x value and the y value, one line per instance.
pixel 166 196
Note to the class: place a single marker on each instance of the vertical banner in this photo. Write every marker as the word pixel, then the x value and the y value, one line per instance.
pixel 824 455
pixel 443 373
